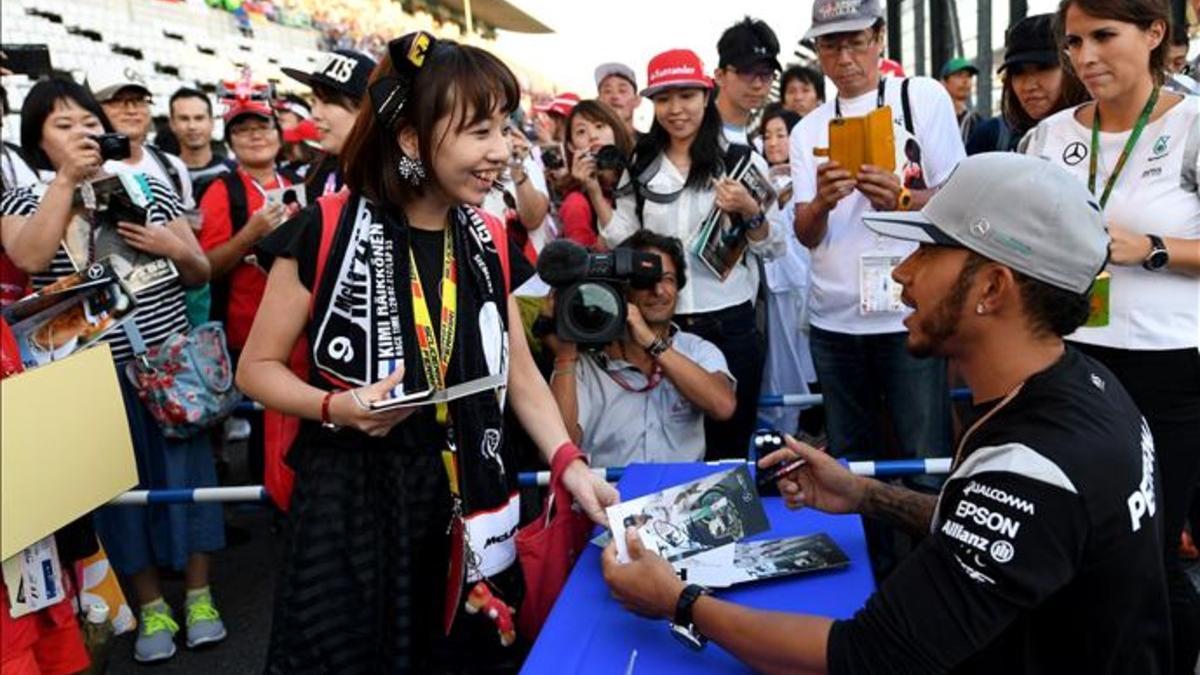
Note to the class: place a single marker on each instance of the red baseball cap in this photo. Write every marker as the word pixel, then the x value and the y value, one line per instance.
pixel 675 69
pixel 561 104
pixel 242 107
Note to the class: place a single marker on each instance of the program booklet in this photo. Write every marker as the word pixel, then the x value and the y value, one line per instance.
pixel 747 561
pixel 69 315
pixel 720 242
pixel 94 236
pixel 690 519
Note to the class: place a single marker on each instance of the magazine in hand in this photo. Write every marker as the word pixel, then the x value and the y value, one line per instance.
pixel 110 200
pixel 747 561
pixel 720 243
pixel 69 315
pixel 690 519
pixel 431 397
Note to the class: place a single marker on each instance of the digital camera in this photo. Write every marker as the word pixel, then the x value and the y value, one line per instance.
pixel 590 289
pixel 113 146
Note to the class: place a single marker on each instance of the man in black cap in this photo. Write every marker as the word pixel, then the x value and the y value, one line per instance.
pixel 748 62
pixel 338 83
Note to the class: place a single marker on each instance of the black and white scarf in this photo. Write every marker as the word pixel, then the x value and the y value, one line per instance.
pixel 363 327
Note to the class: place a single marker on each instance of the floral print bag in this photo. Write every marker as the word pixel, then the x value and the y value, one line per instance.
pixel 187 381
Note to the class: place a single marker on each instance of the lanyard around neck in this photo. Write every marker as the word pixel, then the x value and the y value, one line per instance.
pixel 435 359
pixel 258 186
pixel 1134 135
pixel 837 101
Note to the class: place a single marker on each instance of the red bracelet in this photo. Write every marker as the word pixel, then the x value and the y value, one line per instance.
pixel 325 419
pixel 565 454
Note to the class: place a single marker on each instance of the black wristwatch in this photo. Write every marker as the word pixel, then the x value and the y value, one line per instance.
pixel 1157 259
pixel 682 627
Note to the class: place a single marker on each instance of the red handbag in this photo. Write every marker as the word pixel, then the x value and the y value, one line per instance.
pixel 548 548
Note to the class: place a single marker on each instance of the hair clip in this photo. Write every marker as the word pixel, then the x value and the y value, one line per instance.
pixel 389 94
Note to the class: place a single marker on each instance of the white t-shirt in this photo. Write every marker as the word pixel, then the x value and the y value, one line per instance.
pixel 1156 194
pixel 17 173
pixel 151 167
pixel 659 425
pixel 834 304
pixel 705 291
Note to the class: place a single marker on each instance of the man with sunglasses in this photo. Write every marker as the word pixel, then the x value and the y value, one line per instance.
pixel 857 328
pixel 746 69
pixel 125 98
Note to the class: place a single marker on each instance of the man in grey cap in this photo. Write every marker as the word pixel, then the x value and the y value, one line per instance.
pixel 1041 554
pixel 125 97
pixel 616 87
pixel 857 332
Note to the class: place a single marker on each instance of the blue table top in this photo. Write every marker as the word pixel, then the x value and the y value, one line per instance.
pixel 589 632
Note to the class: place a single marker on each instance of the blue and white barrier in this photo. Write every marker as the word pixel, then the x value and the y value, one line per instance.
pixel 256 493
pixel 764 401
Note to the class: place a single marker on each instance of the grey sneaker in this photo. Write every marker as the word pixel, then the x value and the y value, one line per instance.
pixel 156 635
pixel 204 625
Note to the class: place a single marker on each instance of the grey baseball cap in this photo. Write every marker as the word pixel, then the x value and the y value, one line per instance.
pixel 843 16
pixel 605 70
pixel 1019 211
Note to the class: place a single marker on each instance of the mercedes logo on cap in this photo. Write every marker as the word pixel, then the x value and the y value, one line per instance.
pixel 1074 153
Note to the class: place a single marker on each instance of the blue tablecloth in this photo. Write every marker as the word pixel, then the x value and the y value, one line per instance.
pixel 589 632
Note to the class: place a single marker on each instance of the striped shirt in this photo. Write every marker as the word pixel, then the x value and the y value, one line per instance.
pixel 161 309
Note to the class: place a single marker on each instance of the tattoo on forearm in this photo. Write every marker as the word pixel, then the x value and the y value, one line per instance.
pixel 898 506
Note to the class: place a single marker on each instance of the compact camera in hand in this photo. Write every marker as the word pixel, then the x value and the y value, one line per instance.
pixel 113 146
pixel 589 306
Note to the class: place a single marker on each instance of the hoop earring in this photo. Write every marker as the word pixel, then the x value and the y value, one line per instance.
pixel 411 170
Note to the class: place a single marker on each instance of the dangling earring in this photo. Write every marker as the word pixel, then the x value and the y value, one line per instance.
pixel 411 170
pixel 979 308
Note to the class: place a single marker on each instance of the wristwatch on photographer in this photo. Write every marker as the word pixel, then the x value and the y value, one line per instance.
pixel 682 626
pixel 1158 258
pixel 658 347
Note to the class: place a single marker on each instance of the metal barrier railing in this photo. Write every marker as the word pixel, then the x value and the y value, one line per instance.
pixel 257 493
pixel 764 401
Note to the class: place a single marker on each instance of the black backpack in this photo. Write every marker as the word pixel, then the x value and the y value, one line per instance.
pixel 167 166
pixel 239 214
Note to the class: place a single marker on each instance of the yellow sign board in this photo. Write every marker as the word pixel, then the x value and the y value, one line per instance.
pixel 65 447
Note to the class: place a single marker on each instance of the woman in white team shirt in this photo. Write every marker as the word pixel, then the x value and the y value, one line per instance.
pixel 679 174
pixel 1137 147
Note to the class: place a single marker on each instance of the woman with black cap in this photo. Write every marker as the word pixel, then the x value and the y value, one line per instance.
pixel 1035 86
pixel 401 513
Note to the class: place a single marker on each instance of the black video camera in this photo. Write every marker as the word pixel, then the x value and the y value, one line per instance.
pixel 113 146
pixel 589 305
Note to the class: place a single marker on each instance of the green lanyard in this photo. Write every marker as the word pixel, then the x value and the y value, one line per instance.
pixel 1133 139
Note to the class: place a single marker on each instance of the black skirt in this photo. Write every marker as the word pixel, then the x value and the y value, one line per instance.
pixel 363 583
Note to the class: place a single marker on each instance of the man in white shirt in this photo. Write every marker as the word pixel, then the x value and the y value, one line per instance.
pixel 856 314
pixel 746 69
pixel 644 398
pixel 125 98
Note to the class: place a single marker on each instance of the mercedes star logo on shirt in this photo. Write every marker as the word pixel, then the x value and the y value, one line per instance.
pixel 1074 153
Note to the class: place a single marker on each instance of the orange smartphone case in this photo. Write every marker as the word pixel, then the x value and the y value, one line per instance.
pixel 855 141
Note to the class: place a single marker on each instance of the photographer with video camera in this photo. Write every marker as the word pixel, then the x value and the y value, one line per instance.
pixel 680 173
pixel 66 131
pixel 598 149
pixel 642 397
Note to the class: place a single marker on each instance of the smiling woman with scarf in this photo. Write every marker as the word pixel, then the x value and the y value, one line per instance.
pixel 394 286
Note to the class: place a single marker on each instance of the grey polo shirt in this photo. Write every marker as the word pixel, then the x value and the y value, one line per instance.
pixel 659 425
